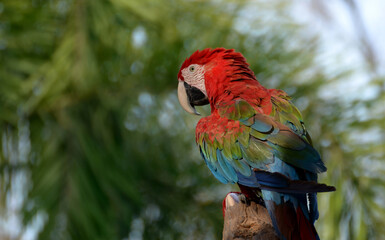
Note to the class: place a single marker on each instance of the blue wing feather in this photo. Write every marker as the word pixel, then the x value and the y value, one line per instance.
pixel 227 168
pixel 213 169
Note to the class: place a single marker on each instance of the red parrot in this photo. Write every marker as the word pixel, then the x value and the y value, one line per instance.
pixel 254 137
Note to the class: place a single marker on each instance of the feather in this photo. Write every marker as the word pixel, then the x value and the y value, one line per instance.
pixel 242 168
pixel 307 158
pixel 278 182
pixel 258 153
pixel 289 217
pixel 249 181
pixel 229 171
pixel 214 170
pixel 262 125
pixel 287 139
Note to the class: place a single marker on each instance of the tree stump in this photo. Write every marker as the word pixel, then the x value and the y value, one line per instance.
pixel 246 219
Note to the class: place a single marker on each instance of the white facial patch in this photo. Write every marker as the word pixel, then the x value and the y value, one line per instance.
pixel 194 75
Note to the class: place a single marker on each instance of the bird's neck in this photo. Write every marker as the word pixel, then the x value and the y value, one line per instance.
pixel 250 91
pixel 230 79
pixel 227 88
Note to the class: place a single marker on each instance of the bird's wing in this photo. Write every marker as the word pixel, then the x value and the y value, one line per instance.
pixel 285 112
pixel 239 145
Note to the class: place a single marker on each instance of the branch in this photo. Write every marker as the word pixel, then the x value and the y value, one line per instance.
pixel 246 219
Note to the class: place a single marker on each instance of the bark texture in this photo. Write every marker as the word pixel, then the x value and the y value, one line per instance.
pixel 246 220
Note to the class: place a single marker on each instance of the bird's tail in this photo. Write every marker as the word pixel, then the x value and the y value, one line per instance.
pixel 290 215
pixel 292 204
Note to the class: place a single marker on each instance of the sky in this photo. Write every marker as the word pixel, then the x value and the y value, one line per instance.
pixel 340 43
pixel 374 18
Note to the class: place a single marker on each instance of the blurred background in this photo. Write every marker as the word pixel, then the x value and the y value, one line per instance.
pixel 94 144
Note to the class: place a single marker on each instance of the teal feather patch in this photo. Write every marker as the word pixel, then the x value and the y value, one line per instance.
pixel 262 126
pixel 214 170
pixel 227 168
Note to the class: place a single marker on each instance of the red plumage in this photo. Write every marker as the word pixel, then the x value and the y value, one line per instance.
pixel 227 70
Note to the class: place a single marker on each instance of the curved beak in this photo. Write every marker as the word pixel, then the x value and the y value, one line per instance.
pixel 190 96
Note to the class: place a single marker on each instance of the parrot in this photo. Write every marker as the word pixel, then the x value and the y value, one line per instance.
pixel 254 137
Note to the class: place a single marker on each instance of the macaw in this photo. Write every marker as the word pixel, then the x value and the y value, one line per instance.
pixel 254 137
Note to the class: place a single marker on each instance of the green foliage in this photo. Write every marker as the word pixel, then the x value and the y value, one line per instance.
pixel 96 145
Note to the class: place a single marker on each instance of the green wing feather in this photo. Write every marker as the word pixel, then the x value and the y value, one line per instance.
pixel 285 112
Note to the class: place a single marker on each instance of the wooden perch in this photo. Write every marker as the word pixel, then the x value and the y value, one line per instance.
pixel 246 219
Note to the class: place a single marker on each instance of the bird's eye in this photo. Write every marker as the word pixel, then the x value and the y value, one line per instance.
pixel 191 69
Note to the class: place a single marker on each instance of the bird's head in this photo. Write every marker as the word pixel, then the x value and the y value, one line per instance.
pixel 205 75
